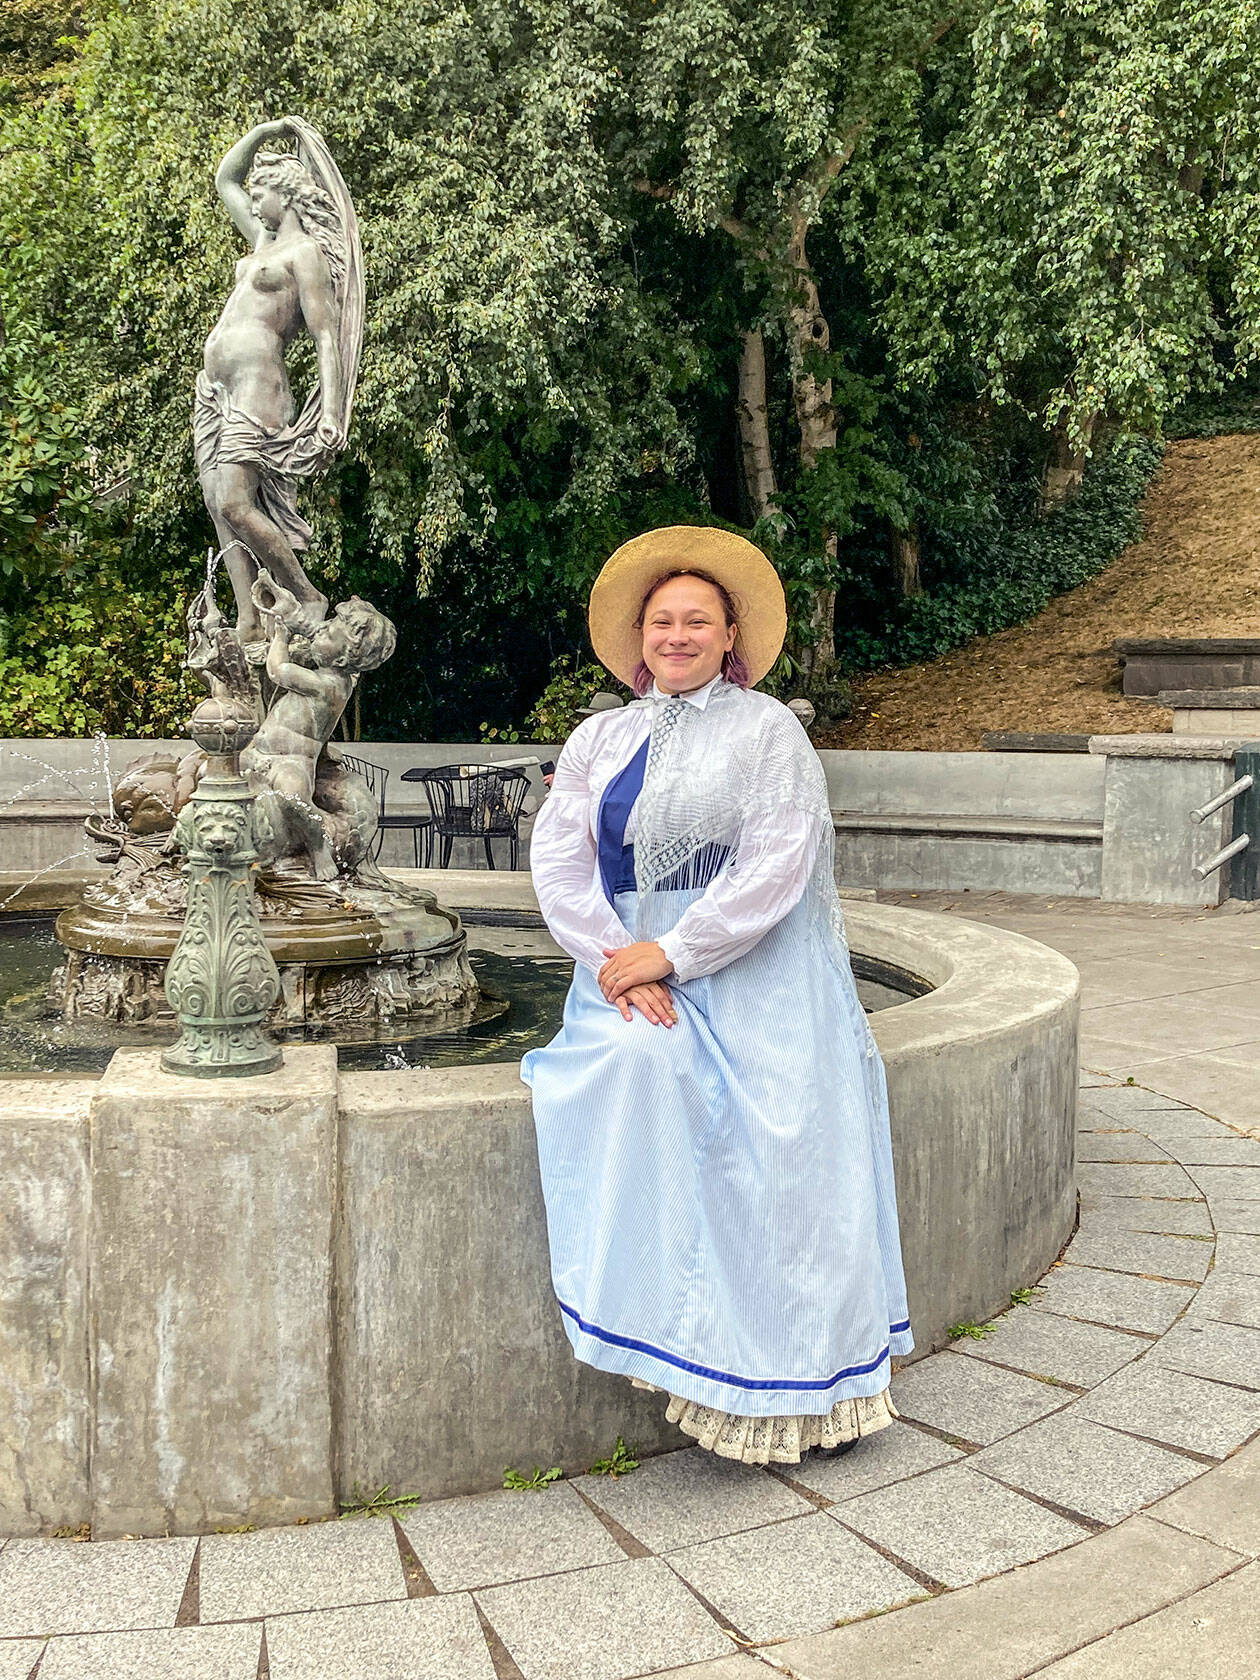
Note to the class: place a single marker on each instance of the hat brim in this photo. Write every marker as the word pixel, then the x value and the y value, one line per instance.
pixel 737 564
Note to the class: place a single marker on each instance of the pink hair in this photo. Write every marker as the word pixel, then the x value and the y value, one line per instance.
pixel 734 665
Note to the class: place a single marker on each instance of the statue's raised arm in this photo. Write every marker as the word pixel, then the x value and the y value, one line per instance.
pixel 233 174
pixel 304 272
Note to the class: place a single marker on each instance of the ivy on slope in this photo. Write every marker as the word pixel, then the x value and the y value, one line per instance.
pixel 1022 572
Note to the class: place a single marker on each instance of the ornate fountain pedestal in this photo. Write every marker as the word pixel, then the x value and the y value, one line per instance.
pixel 358 961
pixel 221 980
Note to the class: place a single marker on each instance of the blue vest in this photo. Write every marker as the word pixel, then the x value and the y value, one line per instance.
pixel 616 859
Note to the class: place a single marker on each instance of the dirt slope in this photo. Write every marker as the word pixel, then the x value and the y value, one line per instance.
pixel 1196 572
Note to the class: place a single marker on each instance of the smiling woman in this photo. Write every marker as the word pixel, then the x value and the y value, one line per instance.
pixel 689 624
pixel 712 1118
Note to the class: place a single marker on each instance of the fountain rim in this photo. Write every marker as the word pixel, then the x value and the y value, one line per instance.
pixel 985 981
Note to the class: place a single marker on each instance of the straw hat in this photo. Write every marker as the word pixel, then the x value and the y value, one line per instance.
pixel 738 565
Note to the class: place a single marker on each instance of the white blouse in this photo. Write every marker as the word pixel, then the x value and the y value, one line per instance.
pixel 735 910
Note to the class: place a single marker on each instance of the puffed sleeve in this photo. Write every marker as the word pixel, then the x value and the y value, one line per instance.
pixel 563 863
pixel 778 843
pixel 767 879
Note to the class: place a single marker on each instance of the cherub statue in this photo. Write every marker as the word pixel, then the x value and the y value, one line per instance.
pixel 301 794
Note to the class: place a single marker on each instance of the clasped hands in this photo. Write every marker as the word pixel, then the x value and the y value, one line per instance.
pixel 633 978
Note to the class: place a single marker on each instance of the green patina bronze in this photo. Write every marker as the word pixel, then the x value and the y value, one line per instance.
pixel 221 980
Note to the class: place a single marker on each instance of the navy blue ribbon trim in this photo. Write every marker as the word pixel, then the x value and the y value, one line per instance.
pixel 724 1376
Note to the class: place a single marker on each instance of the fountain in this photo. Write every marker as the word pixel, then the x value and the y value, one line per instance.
pixel 357 953
pixel 227 1303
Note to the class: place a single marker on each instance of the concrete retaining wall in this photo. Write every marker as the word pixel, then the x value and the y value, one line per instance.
pixel 223 1311
pixel 1072 824
pixel 47 788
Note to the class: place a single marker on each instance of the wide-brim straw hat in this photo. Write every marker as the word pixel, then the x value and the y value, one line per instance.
pixel 737 564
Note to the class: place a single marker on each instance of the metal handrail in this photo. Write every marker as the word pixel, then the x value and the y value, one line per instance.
pixel 1242 785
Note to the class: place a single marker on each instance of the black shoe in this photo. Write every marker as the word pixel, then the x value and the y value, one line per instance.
pixel 837 1452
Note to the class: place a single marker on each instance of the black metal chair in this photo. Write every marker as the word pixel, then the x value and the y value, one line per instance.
pixel 376 776
pixel 421 825
pixel 474 802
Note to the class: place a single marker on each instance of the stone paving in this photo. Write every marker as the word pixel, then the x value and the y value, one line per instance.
pixel 1071 1495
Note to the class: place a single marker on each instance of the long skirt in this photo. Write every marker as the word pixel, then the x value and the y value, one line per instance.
pixel 720 1202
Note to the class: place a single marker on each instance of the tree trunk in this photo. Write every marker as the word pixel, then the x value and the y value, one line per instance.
pixel 1065 464
pixel 820 657
pixel 905 560
pixel 754 426
pixel 810 335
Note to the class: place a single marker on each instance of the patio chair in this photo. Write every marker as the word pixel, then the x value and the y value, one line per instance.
pixel 474 802
pixel 376 776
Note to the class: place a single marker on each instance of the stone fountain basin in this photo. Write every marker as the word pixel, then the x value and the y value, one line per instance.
pixel 235 1304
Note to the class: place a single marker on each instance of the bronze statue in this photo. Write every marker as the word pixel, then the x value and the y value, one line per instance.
pixel 263 799
pixel 304 272
pixel 307 797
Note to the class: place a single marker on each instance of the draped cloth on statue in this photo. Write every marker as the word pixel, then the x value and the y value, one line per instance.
pixel 720 1201
pixel 224 435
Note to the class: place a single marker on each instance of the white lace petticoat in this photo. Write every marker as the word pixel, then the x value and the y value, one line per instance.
pixel 776 1440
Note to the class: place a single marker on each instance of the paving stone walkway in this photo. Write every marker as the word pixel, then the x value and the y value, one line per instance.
pixel 1071 1495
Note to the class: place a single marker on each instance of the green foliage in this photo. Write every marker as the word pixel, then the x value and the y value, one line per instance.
pixel 537 1479
pixel 1025 1297
pixel 973 1332
pixel 45 498
pixel 1012 577
pixel 620 1462
pixel 493 263
pixel 556 711
pixel 34 47
pixel 95 653
pixel 1066 210
pixel 1017 217
pixel 47 505
pixel 1236 408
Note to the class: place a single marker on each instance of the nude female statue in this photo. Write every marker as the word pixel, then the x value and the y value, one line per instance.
pixel 304 271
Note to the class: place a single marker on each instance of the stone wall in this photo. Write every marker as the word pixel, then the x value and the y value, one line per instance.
pixel 1079 825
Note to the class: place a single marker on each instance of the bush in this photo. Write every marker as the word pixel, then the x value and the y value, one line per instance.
pixel 555 714
pixel 1236 409
pixel 95 654
pixel 1020 572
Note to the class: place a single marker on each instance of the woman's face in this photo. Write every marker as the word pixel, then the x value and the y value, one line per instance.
pixel 685 635
pixel 267 205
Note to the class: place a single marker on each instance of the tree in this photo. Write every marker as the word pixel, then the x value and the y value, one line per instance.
pixel 35 36
pixel 743 116
pixel 1073 213
pixel 504 316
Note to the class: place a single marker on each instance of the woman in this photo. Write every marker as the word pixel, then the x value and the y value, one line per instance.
pixel 712 1118
pixel 304 271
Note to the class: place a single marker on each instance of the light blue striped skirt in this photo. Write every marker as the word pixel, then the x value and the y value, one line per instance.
pixel 720 1200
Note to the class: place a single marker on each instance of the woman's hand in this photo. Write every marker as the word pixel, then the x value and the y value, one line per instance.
pixel 653 1001
pixel 633 965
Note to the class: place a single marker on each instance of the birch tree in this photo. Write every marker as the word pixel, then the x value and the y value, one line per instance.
pixel 743 116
